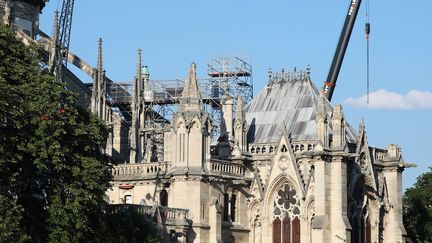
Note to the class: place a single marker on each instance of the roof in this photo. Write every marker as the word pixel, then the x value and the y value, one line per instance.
pixel 288 102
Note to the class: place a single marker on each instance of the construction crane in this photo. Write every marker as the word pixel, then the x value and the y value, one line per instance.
pixel 61 39
pixel 333 74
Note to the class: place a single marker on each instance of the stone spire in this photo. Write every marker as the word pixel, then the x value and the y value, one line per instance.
pixel 321 121
pixel 137 85
pixel 135 140
pixel 98 101
pixel 54 47
pixel 191 97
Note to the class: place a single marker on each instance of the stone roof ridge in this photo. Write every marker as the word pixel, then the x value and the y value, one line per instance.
pixel 290 76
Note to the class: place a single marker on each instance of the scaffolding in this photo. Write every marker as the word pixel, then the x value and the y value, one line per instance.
pixel 230 76
pixel 226 76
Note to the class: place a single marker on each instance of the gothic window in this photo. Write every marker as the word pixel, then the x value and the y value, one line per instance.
pixel 226 204
pixel 365 228
pixel 163 198
pixel 286 214
pixel 257 230
pixel 233 207
pixel 230 207
pixel 359 216
pixel 284 149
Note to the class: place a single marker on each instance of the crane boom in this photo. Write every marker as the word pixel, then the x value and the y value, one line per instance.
pixel 65 26
pixel 341 48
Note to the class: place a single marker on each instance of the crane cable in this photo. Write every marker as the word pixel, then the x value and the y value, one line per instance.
pixel 367 30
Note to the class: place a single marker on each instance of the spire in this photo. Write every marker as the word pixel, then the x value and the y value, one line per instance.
pixel 96 85
pixel 98 100
pixel 54 44
pixel 191 97
pixel 137 86
pixel 135 140
pixel 100 61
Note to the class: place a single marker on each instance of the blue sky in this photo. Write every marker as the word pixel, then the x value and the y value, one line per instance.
pixel 279 34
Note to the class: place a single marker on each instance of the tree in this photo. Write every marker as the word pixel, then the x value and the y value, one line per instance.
pixel 53 173
pixel 418 209
pixel 126 224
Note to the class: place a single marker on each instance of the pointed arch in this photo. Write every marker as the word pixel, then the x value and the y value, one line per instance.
pixel 283 203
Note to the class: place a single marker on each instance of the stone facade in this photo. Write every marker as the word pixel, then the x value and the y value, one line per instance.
pixel 287 168
pixel 22 14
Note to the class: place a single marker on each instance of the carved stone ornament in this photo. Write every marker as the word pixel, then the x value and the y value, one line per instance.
pixel 283 163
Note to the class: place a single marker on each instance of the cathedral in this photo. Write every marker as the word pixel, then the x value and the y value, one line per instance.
pixel 285 167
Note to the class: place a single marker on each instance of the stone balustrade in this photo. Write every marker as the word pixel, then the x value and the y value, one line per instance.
pixel 380 154
pixel 172 214
pixel 140 170
pixel 220 168
pixel 167 213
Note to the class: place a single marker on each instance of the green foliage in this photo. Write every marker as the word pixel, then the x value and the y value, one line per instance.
pixel 128 225
pixel 53 174
pixel 418 209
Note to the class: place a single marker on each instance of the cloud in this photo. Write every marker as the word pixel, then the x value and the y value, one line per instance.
pixel 383 99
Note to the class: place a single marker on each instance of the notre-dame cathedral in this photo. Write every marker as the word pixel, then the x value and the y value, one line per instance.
pixel 285 167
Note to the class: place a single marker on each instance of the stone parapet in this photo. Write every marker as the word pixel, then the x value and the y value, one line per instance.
pixel 226 168
pixel 139 171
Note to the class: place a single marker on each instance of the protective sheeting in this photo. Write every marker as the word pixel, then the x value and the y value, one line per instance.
pixel 289 105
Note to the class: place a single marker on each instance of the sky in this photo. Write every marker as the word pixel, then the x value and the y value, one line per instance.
pixel 279 34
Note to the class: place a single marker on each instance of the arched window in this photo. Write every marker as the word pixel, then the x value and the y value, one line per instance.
pixel 286 214
pixel 366 228
pixel 359 215
pixel 163 198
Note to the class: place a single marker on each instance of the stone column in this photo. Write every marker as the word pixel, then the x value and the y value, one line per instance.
pixel 340 226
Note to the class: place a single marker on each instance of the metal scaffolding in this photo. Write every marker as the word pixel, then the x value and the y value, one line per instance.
pixel 226 76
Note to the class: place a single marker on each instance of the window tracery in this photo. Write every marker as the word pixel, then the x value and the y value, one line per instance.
pixel 286 202
pixel 286 215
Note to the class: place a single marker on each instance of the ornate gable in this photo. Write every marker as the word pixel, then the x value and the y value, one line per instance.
pixel 364 159
pixel 284 164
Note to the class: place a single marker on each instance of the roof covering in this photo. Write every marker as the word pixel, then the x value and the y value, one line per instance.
pixel 288 102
